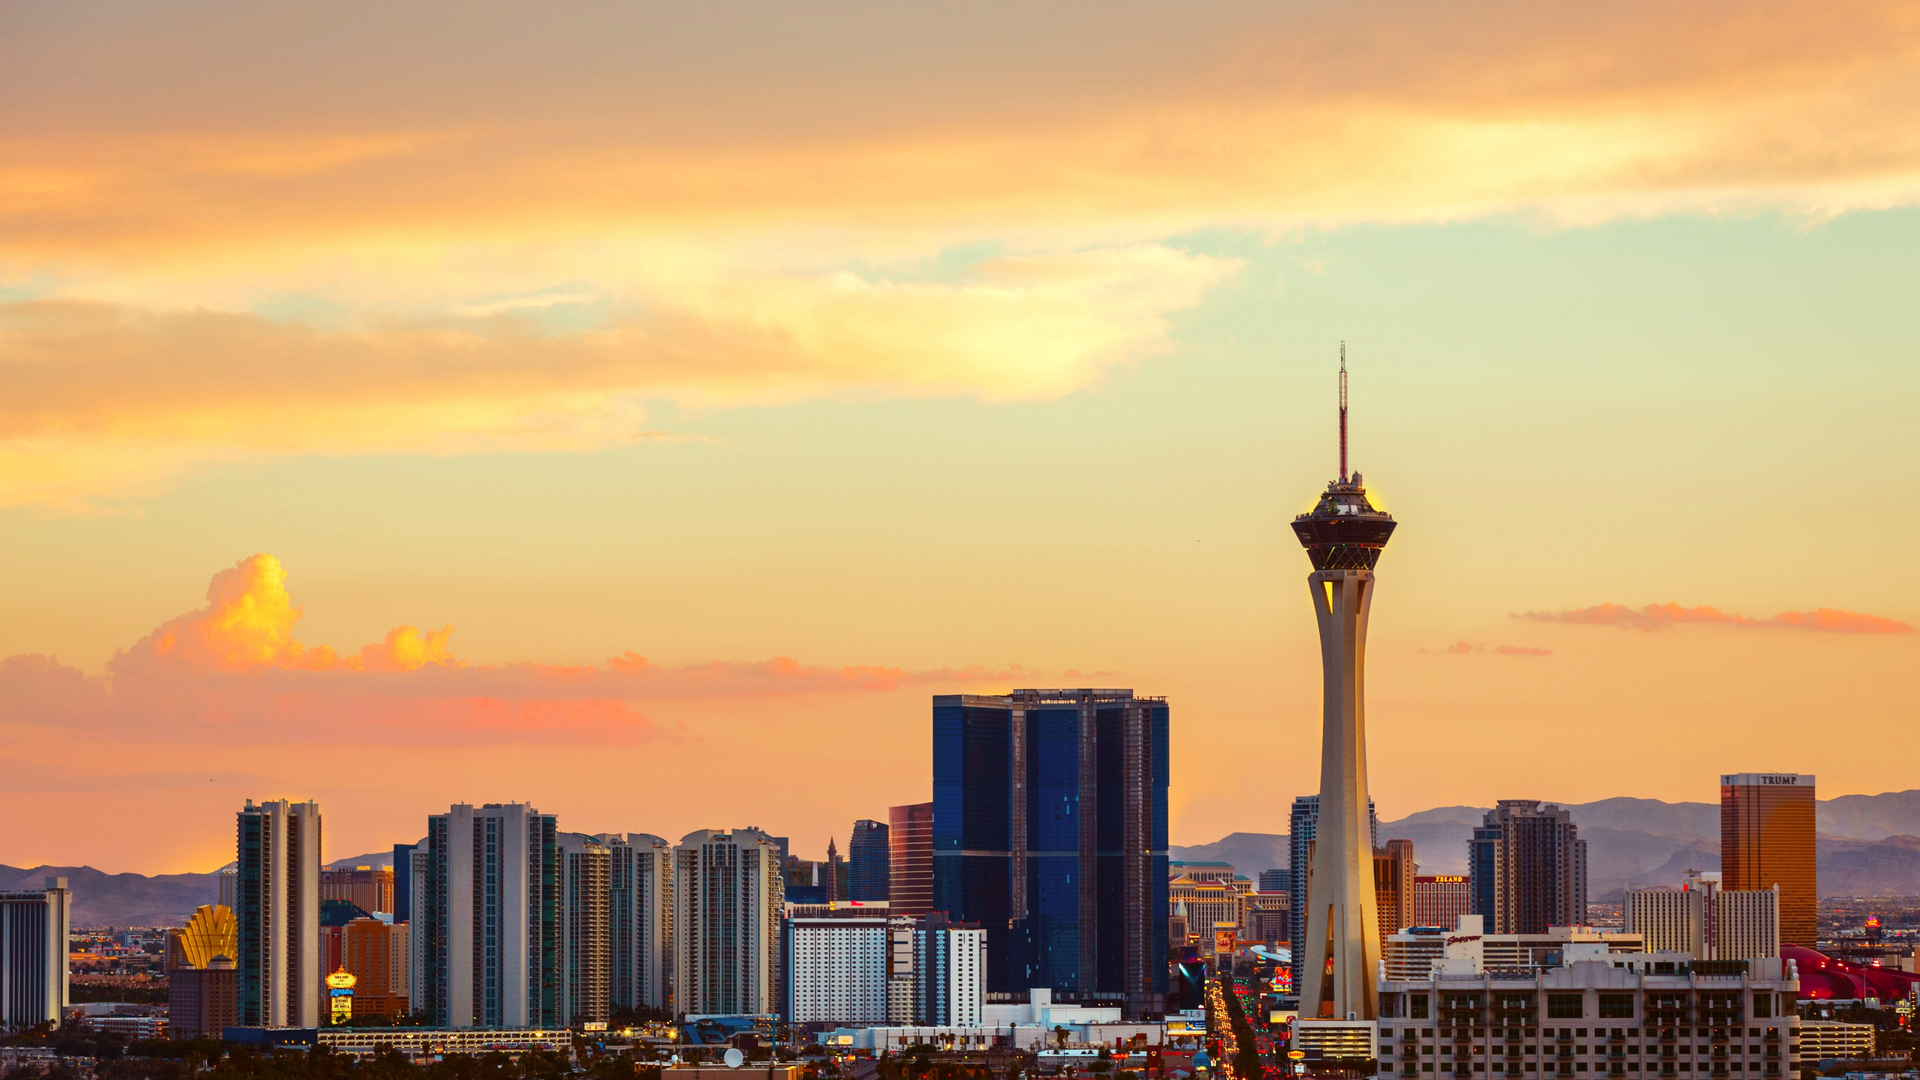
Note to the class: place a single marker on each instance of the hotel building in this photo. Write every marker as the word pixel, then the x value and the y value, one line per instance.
pixel 910 859
pixel 1705 921
pixel 490 918
pixel 586 953
pixel 34 926
pixel 1767 839
pixel 1529 868
pixel 1441 900
pixel 1412 953
pixel 1050 832
pixel 837 961
pixel 277 911
pixel 1659 1015
pixel 640 920
pixel 727 899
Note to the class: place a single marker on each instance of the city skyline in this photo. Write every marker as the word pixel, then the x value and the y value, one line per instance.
pixel 702 416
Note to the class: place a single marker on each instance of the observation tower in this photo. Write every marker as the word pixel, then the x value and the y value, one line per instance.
pixel 1344 536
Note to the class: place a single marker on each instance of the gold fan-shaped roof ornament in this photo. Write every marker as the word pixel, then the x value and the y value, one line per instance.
pixel 212 932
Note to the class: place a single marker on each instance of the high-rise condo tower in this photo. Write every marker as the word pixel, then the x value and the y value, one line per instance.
pixel 1344 536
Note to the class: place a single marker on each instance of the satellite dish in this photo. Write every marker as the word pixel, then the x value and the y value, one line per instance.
pixel 734 1058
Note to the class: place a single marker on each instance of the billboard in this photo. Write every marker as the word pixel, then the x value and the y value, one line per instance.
pixel 340 997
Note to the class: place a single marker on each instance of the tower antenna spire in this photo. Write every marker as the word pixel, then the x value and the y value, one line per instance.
pixel 1343 412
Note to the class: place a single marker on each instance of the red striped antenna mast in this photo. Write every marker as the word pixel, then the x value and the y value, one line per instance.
pixel 1343 412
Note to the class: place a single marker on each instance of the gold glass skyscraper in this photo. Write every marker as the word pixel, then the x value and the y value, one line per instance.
pixel 1766 839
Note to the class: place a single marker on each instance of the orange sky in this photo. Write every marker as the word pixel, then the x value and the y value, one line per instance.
pixel 642 409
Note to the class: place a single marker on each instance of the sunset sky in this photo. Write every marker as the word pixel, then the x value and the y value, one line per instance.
pixel 641 409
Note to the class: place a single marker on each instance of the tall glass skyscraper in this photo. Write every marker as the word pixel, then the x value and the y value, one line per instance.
pixel 1050 831
pixel 1767 839
pixel 867 862
pixel 910 859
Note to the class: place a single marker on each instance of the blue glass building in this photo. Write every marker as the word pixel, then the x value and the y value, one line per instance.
pixel 868 864
pixel 1050 832
pixel 402 882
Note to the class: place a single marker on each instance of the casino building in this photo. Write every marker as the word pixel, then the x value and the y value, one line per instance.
pixel 1641 1015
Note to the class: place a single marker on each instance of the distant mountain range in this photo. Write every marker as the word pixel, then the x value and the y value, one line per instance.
pixel 1868 845
pixel 101 899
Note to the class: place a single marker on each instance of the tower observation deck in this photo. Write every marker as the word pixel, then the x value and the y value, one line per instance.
pixel 1344 535
pixel 1343 531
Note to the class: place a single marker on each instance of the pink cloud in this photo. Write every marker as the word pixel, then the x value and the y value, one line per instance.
pixel 1463 646
pixel 1658 617
pixel 233 672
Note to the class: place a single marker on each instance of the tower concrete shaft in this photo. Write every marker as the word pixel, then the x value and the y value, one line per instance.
pixel 1342 948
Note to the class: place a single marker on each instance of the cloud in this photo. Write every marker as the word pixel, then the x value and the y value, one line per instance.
pixel 1659 617
pixel 248 624
pixel 110 398
pixel 232 672
pixel 317 246
pixel 1463 646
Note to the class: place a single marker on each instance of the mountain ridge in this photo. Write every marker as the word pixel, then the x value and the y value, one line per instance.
pixel 1868 845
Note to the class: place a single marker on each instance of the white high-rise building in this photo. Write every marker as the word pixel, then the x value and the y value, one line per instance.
pixel 586 958
pixel 949 966
pixel 34 924
pixel 640 920
pixel 837 961
pixel 900 984
pixel 1705 921
pixel 277 909
pixel 491 918
pixel 727 897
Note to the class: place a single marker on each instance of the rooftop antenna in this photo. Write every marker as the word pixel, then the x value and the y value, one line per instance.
pixel 1343 412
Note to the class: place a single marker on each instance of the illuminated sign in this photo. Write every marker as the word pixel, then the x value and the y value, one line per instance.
pixel 340 996
pixel 1448 880
pixel 1224 940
